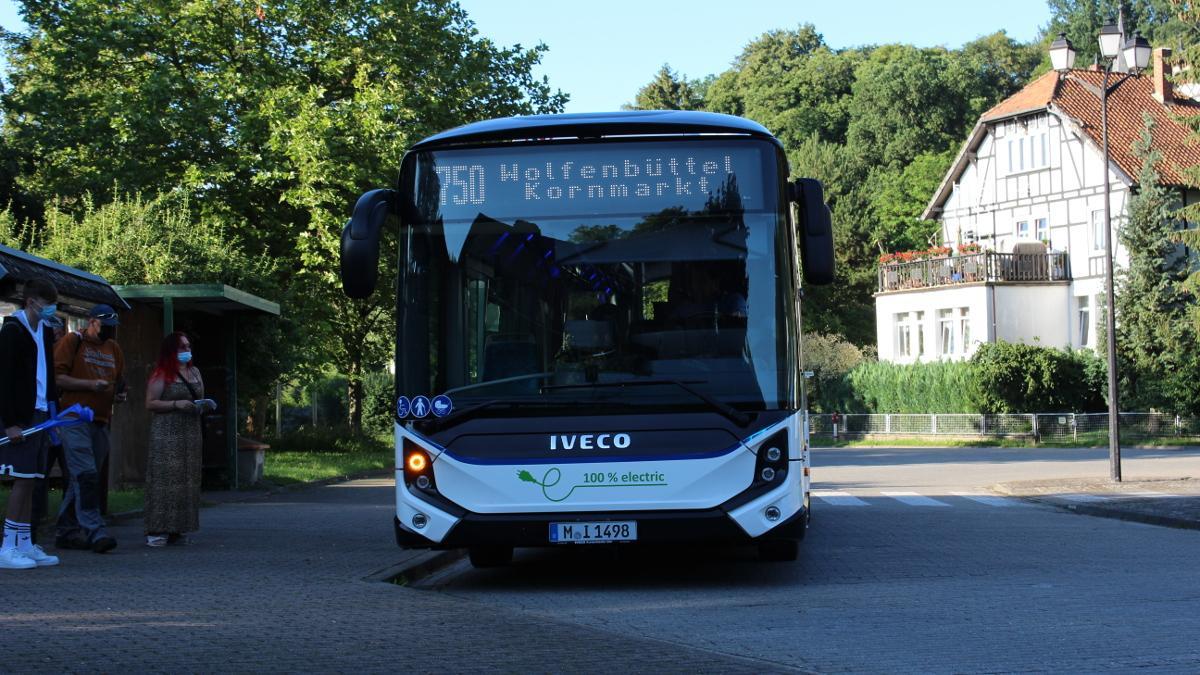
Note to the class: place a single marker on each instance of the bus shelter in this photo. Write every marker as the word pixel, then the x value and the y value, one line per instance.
pixel 211 316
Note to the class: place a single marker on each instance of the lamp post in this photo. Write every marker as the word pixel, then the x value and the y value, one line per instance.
pixel 1137 56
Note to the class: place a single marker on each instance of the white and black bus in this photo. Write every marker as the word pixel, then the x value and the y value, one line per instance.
pixel 598 332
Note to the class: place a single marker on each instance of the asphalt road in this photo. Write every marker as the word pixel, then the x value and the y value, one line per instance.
pixel 911 565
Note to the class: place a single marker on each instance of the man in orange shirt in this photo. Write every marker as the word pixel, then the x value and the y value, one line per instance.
pixel 88 369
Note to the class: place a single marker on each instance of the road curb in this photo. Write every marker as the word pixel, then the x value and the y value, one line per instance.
pixel 418 567
pixel 1105 512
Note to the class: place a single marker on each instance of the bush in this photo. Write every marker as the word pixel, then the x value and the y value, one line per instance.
pixel 934 387
pixel 1020 378
pixel 830 357
pixel 328 440
pixel 378 393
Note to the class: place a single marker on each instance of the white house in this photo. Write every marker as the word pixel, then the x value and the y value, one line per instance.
pixel 1028 188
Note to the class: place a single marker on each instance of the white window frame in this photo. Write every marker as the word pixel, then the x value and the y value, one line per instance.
pixel 1098 231
pixel 1022 229
pixel 1041 229
pixel 1083 320
pixel 964 328
pixel 903 335
pixel 946 332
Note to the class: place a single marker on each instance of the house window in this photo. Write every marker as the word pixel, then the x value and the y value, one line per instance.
pixel 1098 230
pixel 1084 320
pixel 903 336
pixel 920 333
pixel 1043 229
pixel 1011 168
pixel 946 330
pixel 964 327
pixel 1022 229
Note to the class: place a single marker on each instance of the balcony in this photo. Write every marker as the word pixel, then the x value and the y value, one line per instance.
pixel 986 266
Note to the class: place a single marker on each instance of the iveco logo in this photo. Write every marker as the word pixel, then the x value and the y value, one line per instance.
pixel 589 441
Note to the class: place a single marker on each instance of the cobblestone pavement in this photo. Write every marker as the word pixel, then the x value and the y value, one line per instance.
pixel 897 584
pixel 277 586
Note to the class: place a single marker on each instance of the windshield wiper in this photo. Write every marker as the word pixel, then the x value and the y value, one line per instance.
pixel 439 423
pixel 733 414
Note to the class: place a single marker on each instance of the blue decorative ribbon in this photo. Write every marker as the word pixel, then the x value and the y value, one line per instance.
pixel 82 414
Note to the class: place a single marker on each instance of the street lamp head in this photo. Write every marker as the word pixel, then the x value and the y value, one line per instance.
pixel 1062 53
pixel 1110 41
pixel 1137 52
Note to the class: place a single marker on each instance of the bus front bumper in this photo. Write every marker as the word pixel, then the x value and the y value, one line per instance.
pixel 743 519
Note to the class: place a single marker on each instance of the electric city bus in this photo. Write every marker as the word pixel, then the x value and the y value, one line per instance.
pixel 598 332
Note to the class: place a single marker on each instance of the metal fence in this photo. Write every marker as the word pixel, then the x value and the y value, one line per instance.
pixel 1042 426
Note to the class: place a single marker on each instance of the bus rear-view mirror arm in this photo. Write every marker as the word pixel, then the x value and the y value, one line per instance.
pixel 814 229
pixel 360 242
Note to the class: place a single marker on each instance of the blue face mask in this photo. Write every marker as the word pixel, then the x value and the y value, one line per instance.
pixel 48 312
pixel 185 357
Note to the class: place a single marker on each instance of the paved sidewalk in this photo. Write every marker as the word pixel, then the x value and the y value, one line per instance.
pixel 277 584
pixel 1173 502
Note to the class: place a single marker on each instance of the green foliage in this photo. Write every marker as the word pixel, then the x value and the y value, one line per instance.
pixel 1157 342
pixel 1021 378
pixel 1081 20
pixel 830 358
pixel 900 197
pixel 378 403
pixel 669 91
pixel 1187 22
pixel 327 440
pixel 937 386
pixel 272 117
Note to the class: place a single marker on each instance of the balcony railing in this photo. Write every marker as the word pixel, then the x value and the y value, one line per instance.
pixel 966 269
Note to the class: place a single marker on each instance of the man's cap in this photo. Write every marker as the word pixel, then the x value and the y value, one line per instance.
pixel 106 314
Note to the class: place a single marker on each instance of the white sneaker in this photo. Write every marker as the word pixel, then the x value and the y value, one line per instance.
pixel 40 557
pixel 156 540
pixel 12 559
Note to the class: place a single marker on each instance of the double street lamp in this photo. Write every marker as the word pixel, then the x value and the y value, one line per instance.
pixel 1137 56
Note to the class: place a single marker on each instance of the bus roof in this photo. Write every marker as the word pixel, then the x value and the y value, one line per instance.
pixel 593 125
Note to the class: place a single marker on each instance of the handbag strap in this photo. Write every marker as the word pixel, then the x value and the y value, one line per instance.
pixel 192 391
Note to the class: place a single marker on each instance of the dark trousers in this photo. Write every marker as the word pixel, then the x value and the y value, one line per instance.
pixel 41 489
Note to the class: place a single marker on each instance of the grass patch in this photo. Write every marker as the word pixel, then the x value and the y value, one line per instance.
pixel 319 454
pixel 291 467
pixel 119 501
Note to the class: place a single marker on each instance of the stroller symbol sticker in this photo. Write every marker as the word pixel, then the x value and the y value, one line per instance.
pixel 442 405
pixel 420 406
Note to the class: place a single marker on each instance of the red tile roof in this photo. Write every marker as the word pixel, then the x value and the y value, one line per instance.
pixel 1077 94
pixel 1035 96
pixel 1078 97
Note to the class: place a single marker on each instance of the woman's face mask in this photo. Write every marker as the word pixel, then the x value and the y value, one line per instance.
pixel 185 357
pixel 48 312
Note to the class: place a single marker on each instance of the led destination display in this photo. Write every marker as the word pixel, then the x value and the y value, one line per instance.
pixel 613 179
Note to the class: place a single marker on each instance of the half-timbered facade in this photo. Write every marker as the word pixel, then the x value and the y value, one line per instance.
pixel 1028 187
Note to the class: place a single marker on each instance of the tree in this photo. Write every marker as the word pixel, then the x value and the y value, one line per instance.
pixel 1187 16
pixel 272 117
pixel 898 198
pixel 668 91
pixel 1157 343
pixel 1081 20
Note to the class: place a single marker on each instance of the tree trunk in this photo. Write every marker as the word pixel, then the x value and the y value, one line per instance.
pixel 354 396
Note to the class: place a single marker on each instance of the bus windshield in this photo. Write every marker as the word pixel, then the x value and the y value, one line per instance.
pixel 637 276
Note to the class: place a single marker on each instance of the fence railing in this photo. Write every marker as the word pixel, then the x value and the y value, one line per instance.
pixel 965 269
pixel 1043 426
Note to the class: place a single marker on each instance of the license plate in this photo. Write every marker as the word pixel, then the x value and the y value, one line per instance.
pixel 593 533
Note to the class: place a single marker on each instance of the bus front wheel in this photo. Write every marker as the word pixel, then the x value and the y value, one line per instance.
pixel 490 556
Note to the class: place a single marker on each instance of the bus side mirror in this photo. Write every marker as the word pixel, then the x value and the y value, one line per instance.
pixel 360 242
pixel 814 230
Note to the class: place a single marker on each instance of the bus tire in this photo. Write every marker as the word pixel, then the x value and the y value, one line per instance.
pixel 490 556
pixel 778 550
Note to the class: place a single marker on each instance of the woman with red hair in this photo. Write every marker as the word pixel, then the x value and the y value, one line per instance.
pixel 174 462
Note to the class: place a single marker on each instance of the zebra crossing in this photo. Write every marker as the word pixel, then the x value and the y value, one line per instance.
pixel 958 498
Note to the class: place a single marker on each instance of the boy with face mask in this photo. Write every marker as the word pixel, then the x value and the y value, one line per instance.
pixel 26 391
pixel 88 370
